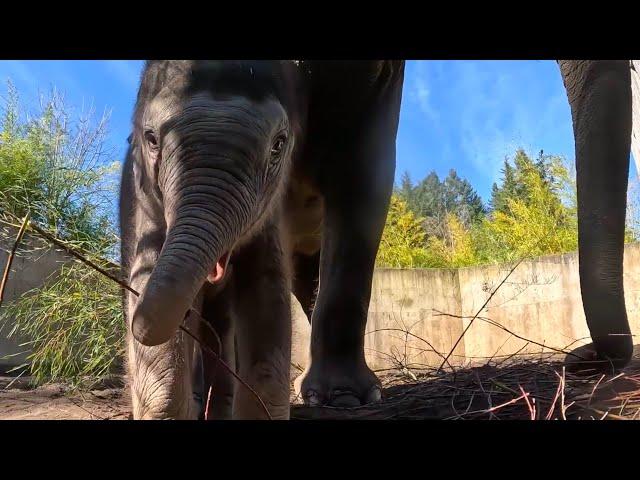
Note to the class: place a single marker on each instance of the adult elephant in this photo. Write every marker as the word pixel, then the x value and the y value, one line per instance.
pixel 245 180
pixel 599 92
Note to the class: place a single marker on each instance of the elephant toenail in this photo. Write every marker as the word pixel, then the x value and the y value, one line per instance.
pixel 312 398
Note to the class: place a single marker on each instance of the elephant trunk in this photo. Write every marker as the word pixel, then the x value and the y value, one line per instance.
pixel 206 212
pixel 600 97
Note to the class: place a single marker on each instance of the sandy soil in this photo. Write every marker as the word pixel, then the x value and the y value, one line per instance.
pixel 18 401
pixel 470 393
pixel 53 402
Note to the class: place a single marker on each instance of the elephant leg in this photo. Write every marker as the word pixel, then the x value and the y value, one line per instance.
pixel 600 96
pixel 356 197
pixel 262 314
pixel 306 271
pixel 199 383
pixel 217 311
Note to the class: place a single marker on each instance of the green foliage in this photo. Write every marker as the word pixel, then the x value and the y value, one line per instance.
pixel 74 325
pixel 55 166
pixel 434 200
pixel 529 216
pixel 402 243
pixel 633 211
pixel 533 212
pixel 455 250
pixel 405 244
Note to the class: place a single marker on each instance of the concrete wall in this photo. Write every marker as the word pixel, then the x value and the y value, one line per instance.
pixel 29 270
pixel 540 301
pixel 415 316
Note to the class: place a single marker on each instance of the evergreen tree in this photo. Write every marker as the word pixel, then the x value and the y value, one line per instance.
pixel 434 200
pixel 405 190
pixel 507 189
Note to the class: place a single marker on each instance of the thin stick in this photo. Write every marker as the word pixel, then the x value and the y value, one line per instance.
pixel 228 369
pixel 489 299
pixel 617 376
pixel 502 327
pixel 555 399
pixel 408 333
pixel 7 268
pixel 123 284
pixel 88 411
pixel 562 407
pixel 491 415
pixel 532 410
pixel 80 257
pixel 206 408
pixel 594 389
pixel 493 409
pixel 497 407
pixel 478 313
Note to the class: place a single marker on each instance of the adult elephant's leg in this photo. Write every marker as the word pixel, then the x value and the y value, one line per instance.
pixel 262 314
pixel 356 192
pixel 217 311
pixel 600 96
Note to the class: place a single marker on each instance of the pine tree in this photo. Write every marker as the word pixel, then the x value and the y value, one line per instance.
pixel 405 190
pixel 507 189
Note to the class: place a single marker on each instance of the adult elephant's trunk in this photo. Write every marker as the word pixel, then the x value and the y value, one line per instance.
pixel 600 96
pixel 207 207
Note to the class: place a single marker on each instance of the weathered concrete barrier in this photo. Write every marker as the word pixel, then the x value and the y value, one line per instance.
pixel 416 316
pixel 29 270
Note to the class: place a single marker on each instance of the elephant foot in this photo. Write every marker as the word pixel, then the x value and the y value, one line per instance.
pixel 338 384
pixel 606 356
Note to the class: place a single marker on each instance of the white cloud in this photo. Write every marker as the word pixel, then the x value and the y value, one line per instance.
pixel 422 94
pixel 18 71
pixel 500 110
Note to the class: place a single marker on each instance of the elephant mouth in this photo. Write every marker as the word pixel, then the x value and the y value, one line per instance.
pixel 220 268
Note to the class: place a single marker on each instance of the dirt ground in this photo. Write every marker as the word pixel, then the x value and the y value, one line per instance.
pixel 52 402
pixel 520 390
pixel 18 401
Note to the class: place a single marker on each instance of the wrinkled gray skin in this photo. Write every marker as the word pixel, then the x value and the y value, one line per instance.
pixel 599 93
pixel 201 179
pixel 274 162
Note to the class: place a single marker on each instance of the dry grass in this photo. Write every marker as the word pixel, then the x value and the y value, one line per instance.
pixel 523 389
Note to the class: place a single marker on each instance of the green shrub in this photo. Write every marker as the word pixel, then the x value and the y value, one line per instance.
pixel 56 166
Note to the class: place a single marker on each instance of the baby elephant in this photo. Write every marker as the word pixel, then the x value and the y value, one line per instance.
pixel 238 173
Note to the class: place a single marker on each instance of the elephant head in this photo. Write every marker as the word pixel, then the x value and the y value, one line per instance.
pixel 212 146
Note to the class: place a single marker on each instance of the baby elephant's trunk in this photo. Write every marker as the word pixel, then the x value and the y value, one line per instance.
pixel 209 218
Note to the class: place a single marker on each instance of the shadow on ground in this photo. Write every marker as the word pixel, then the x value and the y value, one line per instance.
pixel 519 390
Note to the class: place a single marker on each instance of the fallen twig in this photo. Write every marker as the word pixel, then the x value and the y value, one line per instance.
pixel 12 253
pixel 72 251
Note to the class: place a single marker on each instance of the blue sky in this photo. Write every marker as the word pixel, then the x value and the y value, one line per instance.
pixel 466 115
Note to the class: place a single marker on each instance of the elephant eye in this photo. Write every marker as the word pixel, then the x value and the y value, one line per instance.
pixel 277 148
pixel 151 138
